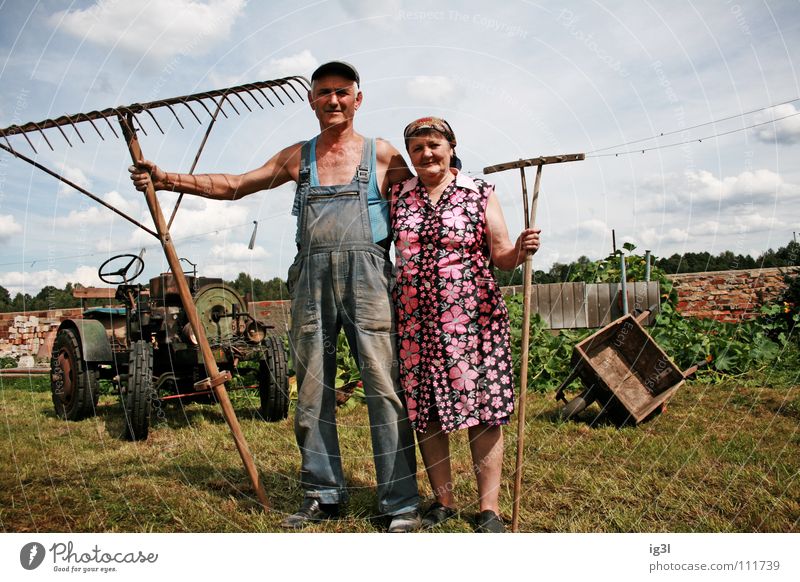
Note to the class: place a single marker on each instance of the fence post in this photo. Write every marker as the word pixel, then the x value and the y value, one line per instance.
pixel 623 283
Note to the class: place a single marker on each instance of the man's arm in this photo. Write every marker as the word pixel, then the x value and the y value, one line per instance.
pixel 392 168
pixel 281 168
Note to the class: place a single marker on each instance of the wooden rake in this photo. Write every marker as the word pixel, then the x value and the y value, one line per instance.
pixel 530 220
pixel 129 118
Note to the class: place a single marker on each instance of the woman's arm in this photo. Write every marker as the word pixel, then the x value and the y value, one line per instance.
pixel 505 254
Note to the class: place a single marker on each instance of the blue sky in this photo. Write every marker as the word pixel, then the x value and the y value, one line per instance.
pixel 515 80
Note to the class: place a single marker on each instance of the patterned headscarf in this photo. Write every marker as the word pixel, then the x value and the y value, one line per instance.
pixel 437 124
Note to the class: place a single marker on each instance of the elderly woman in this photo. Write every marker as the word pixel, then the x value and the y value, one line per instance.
pixel 452 323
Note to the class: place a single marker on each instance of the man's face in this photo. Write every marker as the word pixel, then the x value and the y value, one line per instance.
pixel 334 99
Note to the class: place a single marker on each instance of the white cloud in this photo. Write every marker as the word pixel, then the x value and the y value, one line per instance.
pixel 784 131
pixel 368 8
pixel 32 281
pixel 159 28
pixel 238 252
pixel 431 90
pixel 75 175
pixel 96 214
pixel 302 63
pixel 593 226
pixel 740 223
pixel 651 237
pixel 701 188
pixel 8 227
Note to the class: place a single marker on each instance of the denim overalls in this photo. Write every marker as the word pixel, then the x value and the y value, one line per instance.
pixel 340 278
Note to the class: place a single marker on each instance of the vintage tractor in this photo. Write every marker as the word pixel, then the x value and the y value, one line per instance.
pixel 149 352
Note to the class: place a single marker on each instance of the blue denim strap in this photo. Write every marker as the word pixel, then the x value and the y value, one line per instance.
pixel 303 179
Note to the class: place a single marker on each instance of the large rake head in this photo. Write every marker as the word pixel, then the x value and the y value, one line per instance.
pixel 270 92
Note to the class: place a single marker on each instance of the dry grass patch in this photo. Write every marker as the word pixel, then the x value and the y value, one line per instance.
pixel 721 459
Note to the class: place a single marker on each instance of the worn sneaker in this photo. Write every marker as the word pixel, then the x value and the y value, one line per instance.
pixel 436 514
pixel 311 511
pixel 489 522
pixel 405 522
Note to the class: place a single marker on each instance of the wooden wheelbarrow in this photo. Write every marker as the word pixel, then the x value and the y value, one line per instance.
pixel 625 370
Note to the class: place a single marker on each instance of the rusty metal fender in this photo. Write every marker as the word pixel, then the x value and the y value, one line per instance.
pixel 93 338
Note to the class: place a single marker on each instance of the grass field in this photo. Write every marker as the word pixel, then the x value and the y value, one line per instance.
pixel 722 458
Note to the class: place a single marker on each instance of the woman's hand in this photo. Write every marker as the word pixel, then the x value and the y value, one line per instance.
pixel 527 242
pixel 145 171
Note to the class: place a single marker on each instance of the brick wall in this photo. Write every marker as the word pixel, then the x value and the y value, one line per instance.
pixel 727 295
pixel 722 295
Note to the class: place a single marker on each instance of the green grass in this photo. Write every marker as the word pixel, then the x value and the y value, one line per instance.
pixel 723 458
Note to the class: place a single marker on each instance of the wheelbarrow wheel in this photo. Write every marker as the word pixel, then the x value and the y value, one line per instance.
pixel 577 405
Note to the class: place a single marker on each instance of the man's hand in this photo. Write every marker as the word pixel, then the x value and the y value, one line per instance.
pixel 143 172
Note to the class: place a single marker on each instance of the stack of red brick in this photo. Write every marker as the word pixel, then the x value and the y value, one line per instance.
pixel 31 333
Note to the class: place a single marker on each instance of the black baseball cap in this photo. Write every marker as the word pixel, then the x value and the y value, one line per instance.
pixel 340 68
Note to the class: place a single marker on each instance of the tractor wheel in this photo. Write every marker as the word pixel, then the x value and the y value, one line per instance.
pixel 137 396
pixel 273 381
pixel 72 382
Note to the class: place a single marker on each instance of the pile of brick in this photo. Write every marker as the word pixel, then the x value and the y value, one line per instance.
pixel 28 335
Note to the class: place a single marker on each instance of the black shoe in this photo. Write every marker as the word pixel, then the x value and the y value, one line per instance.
pixel 311 511
pixel 489 522
pixel 405 522
pixel 436 514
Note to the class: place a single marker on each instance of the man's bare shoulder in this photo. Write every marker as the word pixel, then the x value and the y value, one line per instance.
pixel 287 161
pixel 292 151
pixel 385 150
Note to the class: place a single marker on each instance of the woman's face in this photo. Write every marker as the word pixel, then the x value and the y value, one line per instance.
pixel 430 154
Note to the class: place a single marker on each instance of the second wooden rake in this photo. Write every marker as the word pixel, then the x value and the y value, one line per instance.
pixel 530 220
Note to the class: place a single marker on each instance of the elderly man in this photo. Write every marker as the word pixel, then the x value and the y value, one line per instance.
pixel 339 279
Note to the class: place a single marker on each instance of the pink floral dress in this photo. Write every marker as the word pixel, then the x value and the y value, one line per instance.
pixel 452 323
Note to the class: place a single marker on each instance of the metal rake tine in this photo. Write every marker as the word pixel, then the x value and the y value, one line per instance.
pixel 276 94
pixel 89 119
pixel 225 98
pixel 283 88
pixel 243 101
pixel 153 117
pixel 192 110
pixel 264 95
pixel 62 133
pixel 303 82
pixel 175 114
pixel 47 141
pixel 253 97
pixel 294 88
pixel 72 123
pixel 105 117
pixel 221 110
pixel 25 135
pixel 128 112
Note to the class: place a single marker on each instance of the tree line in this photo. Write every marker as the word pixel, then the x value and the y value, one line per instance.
pixel 785 256
pixel 255 289
pixel 51 297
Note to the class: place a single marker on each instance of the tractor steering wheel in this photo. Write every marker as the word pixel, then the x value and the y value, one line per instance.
pixel 120 276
